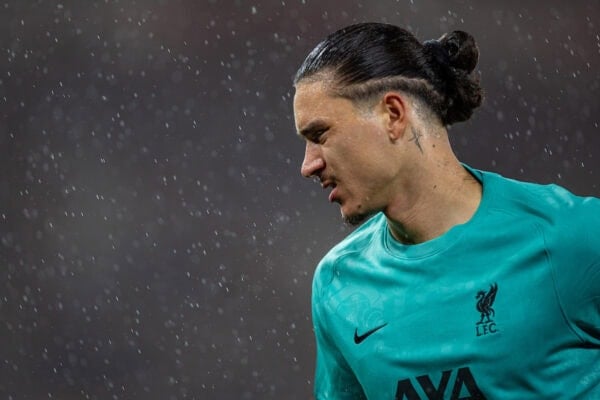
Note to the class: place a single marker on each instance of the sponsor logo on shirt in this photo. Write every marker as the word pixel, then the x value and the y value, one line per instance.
pixel 461 381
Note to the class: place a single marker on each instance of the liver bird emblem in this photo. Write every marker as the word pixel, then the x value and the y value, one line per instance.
pixel 485 302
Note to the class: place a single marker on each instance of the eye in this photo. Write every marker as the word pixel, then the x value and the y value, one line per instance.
pixel 319 136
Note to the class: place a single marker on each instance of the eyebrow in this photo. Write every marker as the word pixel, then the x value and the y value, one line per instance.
pixel 312 128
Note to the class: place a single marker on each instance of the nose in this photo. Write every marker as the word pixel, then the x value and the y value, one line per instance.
pixel 313 160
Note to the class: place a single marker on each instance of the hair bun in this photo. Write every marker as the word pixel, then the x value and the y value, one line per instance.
pixel 461 50
pixel 452 58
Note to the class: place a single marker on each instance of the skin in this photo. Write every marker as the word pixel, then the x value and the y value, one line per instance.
pixel 392 157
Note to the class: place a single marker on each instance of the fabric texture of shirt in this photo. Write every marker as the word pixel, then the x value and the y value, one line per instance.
pixel 505 306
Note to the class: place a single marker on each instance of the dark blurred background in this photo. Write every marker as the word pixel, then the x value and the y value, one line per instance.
pixel 157 240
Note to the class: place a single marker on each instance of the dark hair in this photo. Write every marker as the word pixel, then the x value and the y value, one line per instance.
pixel 368 58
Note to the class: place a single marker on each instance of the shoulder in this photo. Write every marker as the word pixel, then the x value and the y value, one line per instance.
pixel 353 244
pixel 570 224
pixel 548 204
pixel 570 228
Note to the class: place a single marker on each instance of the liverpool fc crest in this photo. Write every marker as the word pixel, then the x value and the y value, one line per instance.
pixel 485 302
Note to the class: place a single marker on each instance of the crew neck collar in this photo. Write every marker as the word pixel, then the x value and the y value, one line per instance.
pixel 446 240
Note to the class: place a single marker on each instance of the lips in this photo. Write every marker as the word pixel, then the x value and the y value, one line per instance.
pixel 333 194
pixel 326 183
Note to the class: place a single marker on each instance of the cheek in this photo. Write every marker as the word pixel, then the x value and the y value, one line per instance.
pixel 373 173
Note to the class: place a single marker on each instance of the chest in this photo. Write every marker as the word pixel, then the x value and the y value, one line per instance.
pixel 462 318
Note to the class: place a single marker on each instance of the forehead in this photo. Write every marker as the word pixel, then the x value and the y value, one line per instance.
pixel 314 100
pixel 307 93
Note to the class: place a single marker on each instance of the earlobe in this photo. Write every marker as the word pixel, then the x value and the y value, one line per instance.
pixel 395 109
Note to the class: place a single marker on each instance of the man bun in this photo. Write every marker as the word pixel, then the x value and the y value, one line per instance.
pixel 461 49
pixel 452 59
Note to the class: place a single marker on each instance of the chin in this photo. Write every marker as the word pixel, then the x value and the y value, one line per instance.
pixel 356 214
pixel 356 218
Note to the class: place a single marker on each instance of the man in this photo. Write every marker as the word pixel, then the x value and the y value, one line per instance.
pixel 460 284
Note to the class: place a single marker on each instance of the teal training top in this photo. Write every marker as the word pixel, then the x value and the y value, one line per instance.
pixel 505 306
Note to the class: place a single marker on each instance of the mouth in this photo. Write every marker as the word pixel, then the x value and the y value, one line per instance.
pixel 333 193
pixel 333 196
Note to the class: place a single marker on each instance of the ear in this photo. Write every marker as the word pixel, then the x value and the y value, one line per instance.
pixel 395 110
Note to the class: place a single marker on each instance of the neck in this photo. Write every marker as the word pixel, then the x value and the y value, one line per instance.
pixel 441 195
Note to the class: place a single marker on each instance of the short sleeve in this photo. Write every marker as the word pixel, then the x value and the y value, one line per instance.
pixel 334 378
pixel 575 258
pixel 584 309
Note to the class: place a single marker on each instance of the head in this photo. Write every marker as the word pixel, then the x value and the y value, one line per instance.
pixel 363 91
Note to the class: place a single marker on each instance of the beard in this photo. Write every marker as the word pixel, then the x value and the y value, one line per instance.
pixel 357 219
